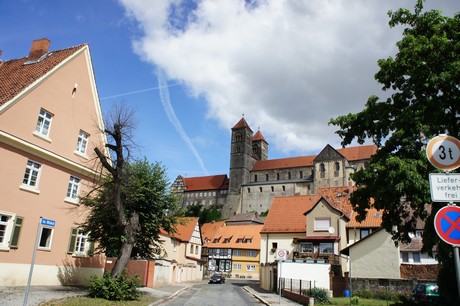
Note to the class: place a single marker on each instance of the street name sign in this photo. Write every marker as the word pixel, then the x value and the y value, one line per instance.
pixel 48 222
pixel 443 152
pixel 445 187
pixel 447 224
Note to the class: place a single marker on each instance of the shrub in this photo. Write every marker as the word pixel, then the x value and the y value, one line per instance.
pixel 320 295
pixel 354 300
pixel 119 288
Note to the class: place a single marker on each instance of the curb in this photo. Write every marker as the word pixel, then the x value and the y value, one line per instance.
pixel 255 295
pixel 170 297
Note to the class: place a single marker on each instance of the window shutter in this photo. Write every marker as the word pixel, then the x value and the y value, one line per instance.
pixel 14 241
pixel 72 240
pixel 91 248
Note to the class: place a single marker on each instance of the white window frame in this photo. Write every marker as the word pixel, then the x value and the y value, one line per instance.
pixel 44 120
pixel 82 244
pixel 8 224
pixel 320 224
pixel 251 268
pixel 73 189
pixel 237 267
pixel 251 253
pixel 33 169
pixel 49 238
pixel 237 253
pixel 82 143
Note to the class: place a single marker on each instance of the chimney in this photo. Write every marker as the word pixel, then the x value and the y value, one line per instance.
pixel 39 48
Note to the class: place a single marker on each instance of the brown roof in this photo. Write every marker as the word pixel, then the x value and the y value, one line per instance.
pixel 244 217
pixel 183 230
pixel 208 230
pixel 339 198
pixel 212 182
pixel 373 219
pixel 258 136
pixel 286 215
pixel 15 77
pixel 237 232
pixel 351 154
pixel 358 152
pixel 241 124
pixel 290 162
pixel 416 245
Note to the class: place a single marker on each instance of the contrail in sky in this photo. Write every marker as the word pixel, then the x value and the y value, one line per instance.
pixel 137 91
pixel 165 100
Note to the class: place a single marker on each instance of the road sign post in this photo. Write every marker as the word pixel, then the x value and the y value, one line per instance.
pixel 443 152
pixel 41 222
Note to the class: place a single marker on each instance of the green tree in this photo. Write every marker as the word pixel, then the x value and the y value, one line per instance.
pixel 205 215
pixel 423 89
pixel 133 202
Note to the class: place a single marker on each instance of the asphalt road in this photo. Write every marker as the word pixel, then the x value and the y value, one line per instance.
pixel 231 293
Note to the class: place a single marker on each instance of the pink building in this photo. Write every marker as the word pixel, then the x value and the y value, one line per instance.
pixel 50 122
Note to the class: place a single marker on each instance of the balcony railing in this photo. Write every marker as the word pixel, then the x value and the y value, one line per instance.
pixel 316 257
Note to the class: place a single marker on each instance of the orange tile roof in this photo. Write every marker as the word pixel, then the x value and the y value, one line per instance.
pixel 241 124
pixel 286 215
pixel 15 76
pixel 258 136
pixel 208 230
pixel 339 198
pixel 183 229
pixel 233 233
pixel 358 152
pixel 351 154
pixel 290 162
pixel 373 219
pixel 212 182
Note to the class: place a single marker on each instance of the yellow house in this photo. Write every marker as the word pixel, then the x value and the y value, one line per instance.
pixel 235 251
pixel 50 122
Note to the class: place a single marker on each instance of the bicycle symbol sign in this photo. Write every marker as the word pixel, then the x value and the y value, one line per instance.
pixel 447 224
pixel 443 152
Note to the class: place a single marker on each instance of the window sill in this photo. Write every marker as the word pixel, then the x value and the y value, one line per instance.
pixel 44 249
pixel 41 136
pixel 72 201
pixel 82 155
pixel 4 248
pixel 29 189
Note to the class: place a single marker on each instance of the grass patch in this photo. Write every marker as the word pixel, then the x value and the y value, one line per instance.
pixel 345 301
pixel 87 301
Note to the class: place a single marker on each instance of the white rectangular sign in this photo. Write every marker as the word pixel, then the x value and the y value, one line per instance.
pixel 445 187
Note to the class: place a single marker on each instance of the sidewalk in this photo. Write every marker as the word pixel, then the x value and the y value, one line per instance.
pixel 266 297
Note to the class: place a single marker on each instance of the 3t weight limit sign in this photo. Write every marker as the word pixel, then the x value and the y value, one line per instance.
pixel 443 152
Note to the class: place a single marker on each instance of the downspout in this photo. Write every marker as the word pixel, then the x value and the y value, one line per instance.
pixel 266 249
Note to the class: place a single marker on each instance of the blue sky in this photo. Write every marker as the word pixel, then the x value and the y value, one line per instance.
pixel 191 69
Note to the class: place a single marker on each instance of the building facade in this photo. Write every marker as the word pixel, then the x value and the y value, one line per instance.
pixel 254 180
pixel 50 123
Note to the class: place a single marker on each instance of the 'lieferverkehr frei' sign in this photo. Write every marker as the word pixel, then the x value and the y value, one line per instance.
pixel 445 187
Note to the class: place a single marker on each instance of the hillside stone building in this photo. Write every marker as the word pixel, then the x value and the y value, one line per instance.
pixel 254 180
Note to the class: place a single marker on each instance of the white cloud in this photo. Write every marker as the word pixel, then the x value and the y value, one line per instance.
pixel 288 65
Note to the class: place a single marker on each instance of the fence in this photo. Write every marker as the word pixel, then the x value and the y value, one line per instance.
pixel 299 286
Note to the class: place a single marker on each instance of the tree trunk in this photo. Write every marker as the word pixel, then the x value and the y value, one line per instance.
pixel 126 249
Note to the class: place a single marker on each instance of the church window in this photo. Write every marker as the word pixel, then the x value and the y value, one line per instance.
pixel 322 170
pixel 289 175
pixel 238 136
pixel 255 178
pixel 266 177
pixel 300 174
pixel 255 149
pixel 238 149
pixel 249 190
pixel 260 188
pixel 273 189
pixel 278 176
pixel 337 169
pixel 284 188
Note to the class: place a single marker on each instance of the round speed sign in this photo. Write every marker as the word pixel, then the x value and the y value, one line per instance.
pixel 443 152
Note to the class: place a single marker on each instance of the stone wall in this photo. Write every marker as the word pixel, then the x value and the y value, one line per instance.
pixel 376 284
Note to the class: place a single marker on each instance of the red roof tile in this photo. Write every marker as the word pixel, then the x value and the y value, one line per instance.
pixel 241 124
pixel 258 136
pixel 373 219
pixel 339 198
pixel 235 232
pixel 183 230
pixel 286 215
pixel 358 152
pixel 208 230
pixel 15 76
pixel 212 182
pixel 291 162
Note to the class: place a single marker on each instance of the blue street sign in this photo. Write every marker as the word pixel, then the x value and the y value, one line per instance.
pixel 447 224
pixel 48 222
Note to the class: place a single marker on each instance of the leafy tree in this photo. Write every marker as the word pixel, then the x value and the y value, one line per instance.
pixel 422 82
pixel 133 201
pixel 205 215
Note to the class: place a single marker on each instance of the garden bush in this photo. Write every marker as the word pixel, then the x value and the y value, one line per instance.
pixel 119 288
pixel 320 295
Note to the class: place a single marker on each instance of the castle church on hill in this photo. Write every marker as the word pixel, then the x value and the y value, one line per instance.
pixel 255 180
